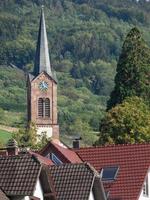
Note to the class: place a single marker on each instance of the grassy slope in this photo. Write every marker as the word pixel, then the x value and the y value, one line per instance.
pixel 4 136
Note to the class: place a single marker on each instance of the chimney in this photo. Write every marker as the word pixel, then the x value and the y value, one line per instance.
pixel 76 142
pixel 12 147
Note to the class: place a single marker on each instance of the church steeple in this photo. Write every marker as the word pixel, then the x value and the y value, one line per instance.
pixel 42 60
pixel 42 89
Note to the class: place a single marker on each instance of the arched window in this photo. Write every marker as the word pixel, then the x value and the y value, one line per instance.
pixel 40 107
pixel 47 107
pixel 43 107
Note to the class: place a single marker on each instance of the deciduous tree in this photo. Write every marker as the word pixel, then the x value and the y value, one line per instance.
pixel 128 122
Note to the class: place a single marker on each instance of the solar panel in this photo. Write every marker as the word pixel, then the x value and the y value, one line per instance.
pixel 109 173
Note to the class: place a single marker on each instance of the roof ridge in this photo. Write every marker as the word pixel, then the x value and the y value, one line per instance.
pixel 27 154
pixel 13 156
pixel 86 164
pixel 111 145
pixel 41 159
pixel 65 164
pixel 94 171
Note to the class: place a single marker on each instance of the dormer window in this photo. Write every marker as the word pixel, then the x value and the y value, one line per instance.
pixel 109 173
pixel 55 159
pixel 145 188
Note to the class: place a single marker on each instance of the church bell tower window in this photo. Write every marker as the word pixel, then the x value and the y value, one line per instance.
pixel 47 107
pixel 43 107
pixel 40 107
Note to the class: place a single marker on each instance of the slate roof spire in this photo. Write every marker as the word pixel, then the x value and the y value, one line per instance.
pixel 42 60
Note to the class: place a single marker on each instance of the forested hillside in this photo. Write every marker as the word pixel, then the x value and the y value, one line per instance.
pixel 85 40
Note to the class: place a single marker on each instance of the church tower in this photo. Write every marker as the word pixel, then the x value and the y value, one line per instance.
pixel 42 88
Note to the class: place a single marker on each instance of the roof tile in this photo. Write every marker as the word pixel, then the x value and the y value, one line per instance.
pixel 64 154
pixel 75 181
pixel 132 160
pixel 18 174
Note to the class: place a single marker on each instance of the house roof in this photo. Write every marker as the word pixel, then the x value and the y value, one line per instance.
pixel 18 174
pixel 3 196
pixel 66 155
pixel 133 162
pixel 74 181
pixel 42 159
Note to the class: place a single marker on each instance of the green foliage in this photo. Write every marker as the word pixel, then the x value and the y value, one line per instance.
pixel 128 122
pixel 28 137
pixel 133 70
pixel 4 137
pixel 82 129
pixel 96 76
pixel 12 89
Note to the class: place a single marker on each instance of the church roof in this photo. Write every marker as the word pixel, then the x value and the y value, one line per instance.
pixel 42 60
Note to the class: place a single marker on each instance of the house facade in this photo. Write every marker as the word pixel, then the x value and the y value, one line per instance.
pixel 145 191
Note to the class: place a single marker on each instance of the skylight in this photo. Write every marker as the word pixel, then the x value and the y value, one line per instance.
pixel 109 173
pixel 55 159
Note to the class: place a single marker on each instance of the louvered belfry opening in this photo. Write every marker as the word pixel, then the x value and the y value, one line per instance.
pixel 47 107
pixel 43 107
pixel 40 107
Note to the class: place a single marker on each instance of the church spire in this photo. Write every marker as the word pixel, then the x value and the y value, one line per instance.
pixel 42 61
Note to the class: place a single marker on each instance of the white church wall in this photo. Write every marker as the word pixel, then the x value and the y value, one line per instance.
pixel 44 130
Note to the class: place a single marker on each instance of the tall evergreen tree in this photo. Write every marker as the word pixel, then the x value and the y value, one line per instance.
pixel 133 70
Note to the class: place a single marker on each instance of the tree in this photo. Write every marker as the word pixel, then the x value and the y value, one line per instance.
pixel 128 122
pixel 133 70
pixel 28 137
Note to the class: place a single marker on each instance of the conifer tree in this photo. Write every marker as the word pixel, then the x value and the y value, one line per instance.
pixel 133 70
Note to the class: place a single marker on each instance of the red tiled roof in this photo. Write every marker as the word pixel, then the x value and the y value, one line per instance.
pixel 42 159
pixel 64 154
pixel 133 162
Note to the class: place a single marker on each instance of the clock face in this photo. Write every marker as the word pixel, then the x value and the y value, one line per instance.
pixel 43 85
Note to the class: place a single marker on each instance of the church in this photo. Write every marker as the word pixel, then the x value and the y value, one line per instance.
pixel 42 88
